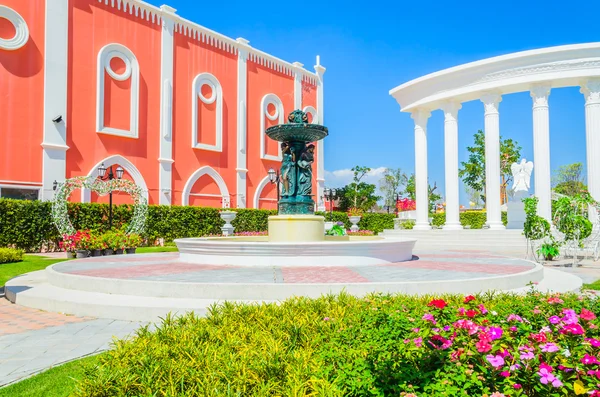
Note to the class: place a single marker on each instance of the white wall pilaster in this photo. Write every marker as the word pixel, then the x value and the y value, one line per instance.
pixel 320 70
pixel 492 160
pixel 421 183
pixel 451 165
pixel 297 85
pixel 54 144
pixel 541 150
pixel 242 84
pixel 165 176
pixel 591 90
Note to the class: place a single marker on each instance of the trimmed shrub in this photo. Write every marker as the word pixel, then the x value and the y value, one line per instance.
pixel 474 219
pixel 381 345
pixel 10 255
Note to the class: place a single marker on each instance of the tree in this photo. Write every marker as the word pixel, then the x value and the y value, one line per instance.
pixel 433 196
pixel 391 184
pixel 358 194
pixel 568 179
pixel 473 170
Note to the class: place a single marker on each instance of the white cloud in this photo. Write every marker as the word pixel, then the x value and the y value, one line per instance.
pixel 340 178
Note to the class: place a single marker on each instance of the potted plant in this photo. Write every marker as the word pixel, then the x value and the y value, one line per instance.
pixel 133 241
pixel 68 245
pixel 354 215
pixel 82 244
pixel 119 242
pixel 107 240
pixel 97 246
pixel 548 250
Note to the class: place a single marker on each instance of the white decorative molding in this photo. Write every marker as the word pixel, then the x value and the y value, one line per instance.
pixel 297 85
pixel 21 30
pixel 320 71
pixel 216 95
pixel 278 115
pixel 491 101
pixel 313 112
pixel 200 172
pixel 136 175
pixel 242 122
pixel 132 71
pixel 558 66
pixel 264 182
pixel 56 50
pixel 539 95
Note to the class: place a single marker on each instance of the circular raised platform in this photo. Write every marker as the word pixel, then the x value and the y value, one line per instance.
pixel 258 251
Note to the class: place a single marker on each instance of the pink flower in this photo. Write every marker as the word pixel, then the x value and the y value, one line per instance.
pixel 429 317
pixel 540 338
pixel 546 367
pixel 553 300
pixel 461 311
pixel 497 394
pixel 536 311
pixel 497 361
pixel 439 342
pixel 587 315
pixel 515 367
pixel 482 309
pixel 573 329
pixel 589 360
pixel 418 341
pixel 527 356
pixel 513 328
pixel 595 373
pixel 415 330
pixel 593 342
pixel 554 320
pixel 505 374
pixel 495 333
pixel 517 386
pixel 483 346
pixel 514 317
pixel 570 316
pixel 326 319
pixel 549 348
pixel 546 377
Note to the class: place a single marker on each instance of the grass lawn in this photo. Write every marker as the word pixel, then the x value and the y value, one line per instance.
pixel 30 263
pixel 56 382
pixel 153 250
pixel 595 285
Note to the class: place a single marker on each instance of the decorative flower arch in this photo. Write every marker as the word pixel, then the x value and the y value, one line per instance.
pixel 63 191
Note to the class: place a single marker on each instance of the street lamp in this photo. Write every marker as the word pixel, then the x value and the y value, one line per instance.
pixel 104 177
pixel 274 178
pixel 330 195
pixel 396 206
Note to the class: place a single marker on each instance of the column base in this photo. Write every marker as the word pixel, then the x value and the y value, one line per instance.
pixel 422 226
pixel 453 226
pixel 496 226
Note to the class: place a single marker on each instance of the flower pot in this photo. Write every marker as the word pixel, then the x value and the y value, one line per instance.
pixel 109 251
pixel 119 251
pixel 354 220
pixel 97 253
pixel 82 254
pixel 549 257
pixel 227 216
pixel 130 250
pixel 71 254
pixel 328 226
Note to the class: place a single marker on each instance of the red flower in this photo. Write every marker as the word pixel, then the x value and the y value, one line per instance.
pixel 587 315
pixel 540 338
pixel 471 313
pixel 439 303
pixel 469 298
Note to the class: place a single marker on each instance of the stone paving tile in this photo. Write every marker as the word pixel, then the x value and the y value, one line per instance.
pixel 337 274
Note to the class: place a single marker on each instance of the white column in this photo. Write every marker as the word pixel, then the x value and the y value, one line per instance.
pixel 492 160
pixel 451 165
pixel 165 159
pixel 320 70
pixel 297 85
pixel 541 150
pixel 591 91
pixel 54 144
pixel 242 88
pixel 421 183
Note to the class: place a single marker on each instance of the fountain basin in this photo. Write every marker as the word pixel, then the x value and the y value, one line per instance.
pixel 259 252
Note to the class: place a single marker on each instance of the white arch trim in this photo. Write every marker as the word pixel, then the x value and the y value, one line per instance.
pixel 21 29
pixel 313 113
pixel 265 181
pixel 200 172
pixel 278 115
pixel 217 95
pixel 136 175
pixel 132 71
pixel 561 66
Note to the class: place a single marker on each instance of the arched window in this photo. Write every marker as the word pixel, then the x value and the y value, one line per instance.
pixel 277 114
pixel 131 71
pixel 211 172
pixel 207 79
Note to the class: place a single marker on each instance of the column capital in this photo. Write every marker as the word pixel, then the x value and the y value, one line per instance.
pixel 591 90
pixel 420 116
pixel 539 95
pixel 243 48
pixel 491 101
pixel 451 109
pixel 168 17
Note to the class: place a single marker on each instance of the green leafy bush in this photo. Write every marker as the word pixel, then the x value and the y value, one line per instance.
pixel 381 345
pixel 10 255
pixel 474 219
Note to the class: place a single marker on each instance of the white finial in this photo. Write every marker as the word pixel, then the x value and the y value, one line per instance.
pixel 318 60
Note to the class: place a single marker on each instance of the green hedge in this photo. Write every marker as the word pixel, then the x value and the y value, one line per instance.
pixel 475 219
pixel 28 224
pixel 10 255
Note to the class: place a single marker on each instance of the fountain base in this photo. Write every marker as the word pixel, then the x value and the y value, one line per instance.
pixel 296 228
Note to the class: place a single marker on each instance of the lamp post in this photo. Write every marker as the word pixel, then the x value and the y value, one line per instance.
pixel 274 178
pixel 396 206
pixel 109 177
pixel 330 195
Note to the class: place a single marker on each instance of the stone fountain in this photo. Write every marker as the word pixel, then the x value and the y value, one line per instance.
pixel 296 220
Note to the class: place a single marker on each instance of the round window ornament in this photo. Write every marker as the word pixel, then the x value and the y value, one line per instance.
pixel 21 30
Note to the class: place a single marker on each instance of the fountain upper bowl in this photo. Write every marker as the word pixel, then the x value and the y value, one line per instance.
pixel 299 132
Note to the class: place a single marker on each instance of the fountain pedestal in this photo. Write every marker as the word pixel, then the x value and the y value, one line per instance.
pixel 296 228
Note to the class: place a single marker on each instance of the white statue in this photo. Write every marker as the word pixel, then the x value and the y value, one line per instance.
pixel 521 176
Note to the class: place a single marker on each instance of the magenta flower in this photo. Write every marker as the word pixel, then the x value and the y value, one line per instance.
pixel 513 328
pixel 554 320
pixel 483 346
pixel 429 317
pixel 439 342
pixel 570 316
pixel 547 377
pixel 497 361
pixel 593 342
pixel 482 309
pixel 589 360
pixel 505 374
pixel 418 341
pixel 573 329
pixel 495 333
pixel 514 317
pixel 515 367
pixel 549 347
pixel 517 386
pixel 527 356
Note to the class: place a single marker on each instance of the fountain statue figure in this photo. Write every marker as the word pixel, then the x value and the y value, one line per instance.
pixel 296 137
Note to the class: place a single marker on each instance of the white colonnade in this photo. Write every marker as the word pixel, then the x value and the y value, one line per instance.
pixel 536 72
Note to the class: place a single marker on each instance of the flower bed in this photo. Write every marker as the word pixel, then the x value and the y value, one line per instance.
pixel 494 345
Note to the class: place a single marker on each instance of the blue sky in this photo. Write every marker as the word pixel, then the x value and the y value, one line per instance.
pixel 369 48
